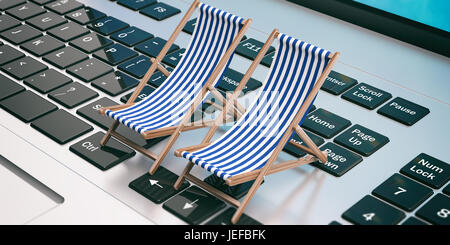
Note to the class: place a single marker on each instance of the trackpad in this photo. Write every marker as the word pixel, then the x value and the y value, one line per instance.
pixel 23 198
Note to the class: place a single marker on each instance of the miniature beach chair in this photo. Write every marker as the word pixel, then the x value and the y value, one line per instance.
pixel 248 150
pixel 214 40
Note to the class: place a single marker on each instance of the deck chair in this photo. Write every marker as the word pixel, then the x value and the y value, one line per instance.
pixel 248 150
pixel 214 40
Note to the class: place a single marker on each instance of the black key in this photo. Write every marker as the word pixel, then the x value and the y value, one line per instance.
pixel 157 79
pixel 90 112
pixel 46 21
pixel 5 4
pixel 334 223
pixel 25 11
pixel 42 45
pixel 403 111
pixel 336 83
pixel 42 2
pixel 115 54
pixel 325 123
pixel 414 221
pixel 64 6
pixel 340 160
pixel 190 26
pixel 61 126
pixel 136 137
pixel 108 25
pixel 27 106
pixel 446 190
pixel 428 170
pixel 47 81
pixel 366 96
pixel 8 87
pixel 232 78
pixel 136 4
pixel 89 70
pixel 146 91
pixel 160 11
pixel 193 205
pixel 115 83
pixel 103 157
pixel 85 15
pixel 225 219
pixel 172 59
pixel 159 186
pixel 371 211
pixel 7 22
pixel 436 211
pixel 268 59
pixel 236 191
pixel 361 140
pixel 131 36
pixel 136 67
pixel 154 46
pixel 402 192
pixel 91 42
pixel 68 31
pixel 65 57
pixel 20 34
pixel 72 95
pixel 250 48
pixel 23 67
pixel 8 54
pixel 291 149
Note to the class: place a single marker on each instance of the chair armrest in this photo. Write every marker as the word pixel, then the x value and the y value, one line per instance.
pixel 190 148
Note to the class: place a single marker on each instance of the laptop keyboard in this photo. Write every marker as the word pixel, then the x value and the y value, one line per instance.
pixel 107 54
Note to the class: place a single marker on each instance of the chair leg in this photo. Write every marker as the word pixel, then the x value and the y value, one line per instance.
pixel 247 199
pixel 180 179
pixel 163 153
pixel 108 134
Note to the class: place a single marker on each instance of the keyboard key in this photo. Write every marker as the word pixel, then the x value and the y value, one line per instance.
pixel 428 170
pixel 25 11
pixel 42 45
pixel 89 70
pixel 8 87
pixel 371 211
pixel 160 11
pixel 5 4
pixel 136 67
pixel 291 149
pixel 68 31
pixel 72 95
pixel 225 219
pixel 236 191
pixel 115 54
pixel 85 15
pixel 268 59
pixel 64 6
pixel 361 140
pixel 145 92
pixel 108 25
pixel 23 67
pixel 159 186
pixel 131 36
pixel 47 81
pixel 27 106
pixel 250 48
pixel 91 42
pixel 446 190
pixel 20 34
pixel 172 59
pixel 325 123
pixel 115 83
pixel 65 57
pixel 414 221
pixel 154 46
pixel 61 126
pixel 103 157
pixel 336 83
pixel 334 223
pixel 366 96
pixel 403 111
pixel 8 54
pixel 190 26
pixel 90 112
pixel 340 160
pixel 402 192
pixel 42 2
pixel 436 211
pixel 136 137
pixel 136 4
pixel 193 205
pixel 7 22
pixel 231 79
pixel 46 21
pixel 157 79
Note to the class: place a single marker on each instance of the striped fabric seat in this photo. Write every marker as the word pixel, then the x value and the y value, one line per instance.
pixel 248 145
pixel 213 34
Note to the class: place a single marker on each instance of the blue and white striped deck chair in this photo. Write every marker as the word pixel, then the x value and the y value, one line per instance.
pixel 248 150
pixel 214 40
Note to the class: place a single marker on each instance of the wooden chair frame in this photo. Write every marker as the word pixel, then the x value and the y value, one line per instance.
pixel 258 175
pixel 175 131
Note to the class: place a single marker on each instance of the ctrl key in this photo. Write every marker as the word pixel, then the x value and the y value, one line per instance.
pixel 437 210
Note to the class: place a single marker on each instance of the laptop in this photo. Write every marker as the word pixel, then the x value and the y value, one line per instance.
pixel 382 114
